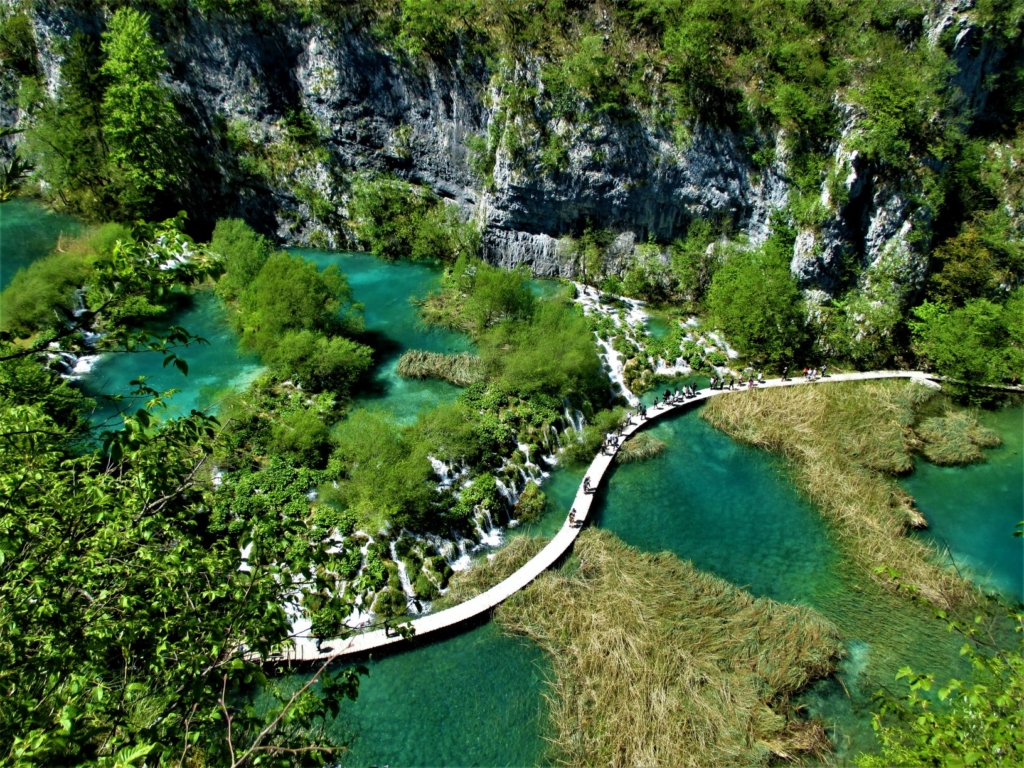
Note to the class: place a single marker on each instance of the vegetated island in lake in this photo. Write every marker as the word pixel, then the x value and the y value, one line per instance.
pixel 788 188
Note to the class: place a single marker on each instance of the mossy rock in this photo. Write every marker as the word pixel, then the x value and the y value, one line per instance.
pixel 424 588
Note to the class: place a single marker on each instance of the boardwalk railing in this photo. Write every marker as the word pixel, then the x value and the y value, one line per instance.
pixel 307 649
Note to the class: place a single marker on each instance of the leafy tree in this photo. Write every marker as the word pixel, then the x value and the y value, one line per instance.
pixel 126 613
pixel 18 45
pixel 398 220
pixel 692 265
pixel 140 122
pixel 244 252
pixel 980 262
pixel 754 298
pixel 46 293
pixel 961 722
pixel 291 294
pixel 321 363
pixel 495 294
pixel 979 343
pixel 387 477
pixel 66 140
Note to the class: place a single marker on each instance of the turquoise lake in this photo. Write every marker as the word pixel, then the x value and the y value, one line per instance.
pixel 476 698
pixel 28 232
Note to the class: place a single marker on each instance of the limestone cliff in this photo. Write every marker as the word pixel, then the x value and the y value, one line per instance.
pixel 375 109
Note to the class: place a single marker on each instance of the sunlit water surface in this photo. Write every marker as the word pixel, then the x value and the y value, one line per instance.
pixel 476 698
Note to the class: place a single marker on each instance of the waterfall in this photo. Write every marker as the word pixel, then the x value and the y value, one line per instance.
pixel 411 602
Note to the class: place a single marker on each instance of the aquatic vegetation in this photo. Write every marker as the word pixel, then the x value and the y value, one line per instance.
pixel 844 442
pixel 955 438
pixel 656 663
pixel 461 369
pixel 640 447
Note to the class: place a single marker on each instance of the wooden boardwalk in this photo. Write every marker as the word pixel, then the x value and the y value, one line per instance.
pixel 305 649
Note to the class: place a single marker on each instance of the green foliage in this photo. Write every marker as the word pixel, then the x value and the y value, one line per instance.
pixel 494 294
pixel 648 277
pixel 18 45
pixel 125 609
pixel 982 261
pixel 301 434
pixel 754 299
pixel 66 141
pixel 553 354
pixel 45 293
pixel 141 125
pixel 320 362
pixel 976 722
pixel 979 343
pixel 400 221
pixel 244 253
pixel 386 475
pixel 13 174
pixel 692 265
pixel 294 315
pixel 531 505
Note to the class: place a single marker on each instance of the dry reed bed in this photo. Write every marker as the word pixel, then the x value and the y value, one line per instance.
pixel 657 663
pixel 956 438
pixel 844 443
pixel 640 447
pixel 462 369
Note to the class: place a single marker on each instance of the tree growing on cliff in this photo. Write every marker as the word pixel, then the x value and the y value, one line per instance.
pixel 754 298
pixel 141 125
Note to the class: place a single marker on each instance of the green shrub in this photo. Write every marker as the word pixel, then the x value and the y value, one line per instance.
pixel 755 300
pixel 398 220
pixel 18 45
pixel 979 343
pixel 303 436
pixel 531 505
pixel 43 294
pixel 244 253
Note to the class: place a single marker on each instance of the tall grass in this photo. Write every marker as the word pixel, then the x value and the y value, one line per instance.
pixel 844 443
pixel 956 438
pixel 640 447
pixel 657 663
pixel 462 369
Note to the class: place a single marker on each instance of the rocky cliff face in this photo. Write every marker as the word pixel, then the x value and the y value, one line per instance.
pixel 375 111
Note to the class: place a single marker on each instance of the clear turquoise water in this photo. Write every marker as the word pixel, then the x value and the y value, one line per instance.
pixel 28 232
pixel 386 289
pixel 215 369
pixel 974 509
pixel 474 699
pixel 731 510
pixel 477 698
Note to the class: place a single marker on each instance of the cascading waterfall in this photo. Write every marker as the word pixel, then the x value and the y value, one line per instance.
pixel 412 603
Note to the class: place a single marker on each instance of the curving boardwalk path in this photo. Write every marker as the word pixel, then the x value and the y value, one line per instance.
pixel 305 648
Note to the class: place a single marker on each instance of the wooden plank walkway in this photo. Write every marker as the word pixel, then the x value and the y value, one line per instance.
pixel 305 648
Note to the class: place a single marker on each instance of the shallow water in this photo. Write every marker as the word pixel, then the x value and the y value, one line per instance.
pixel 28 231
pixel 974 509
pixel 731 510
pixel 474 699
pixel 386 290
pixel 215 369
pixel 477 698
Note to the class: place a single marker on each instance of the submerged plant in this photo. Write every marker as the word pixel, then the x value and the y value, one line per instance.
pixel 462 369
pixel 641 447
pixel 956 438
pixel 657 663
pixel 845 442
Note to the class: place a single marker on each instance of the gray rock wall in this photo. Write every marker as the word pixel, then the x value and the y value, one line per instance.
pixel 376 111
